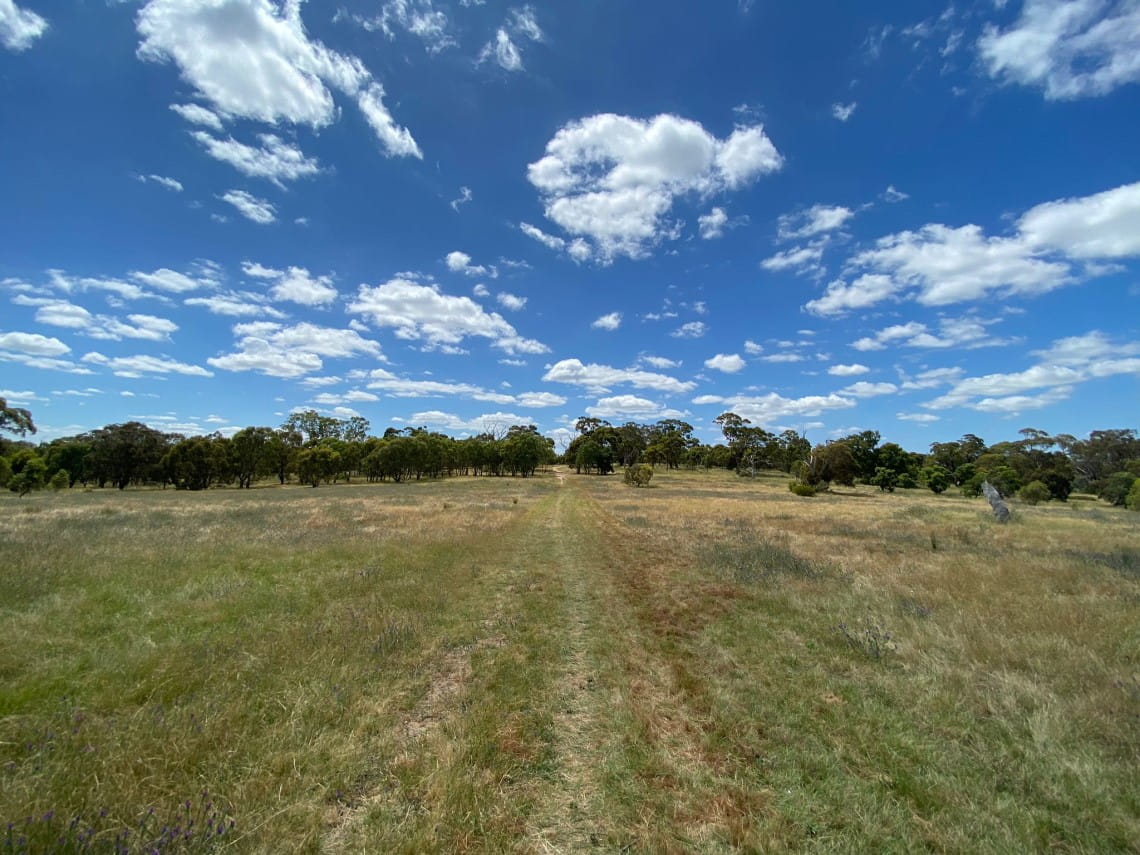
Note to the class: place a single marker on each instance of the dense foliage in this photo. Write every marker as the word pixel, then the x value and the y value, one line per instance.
pixel 314 449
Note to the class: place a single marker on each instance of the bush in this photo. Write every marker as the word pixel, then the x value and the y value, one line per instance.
pixel 936 478
pixel 1034 492
pixel 61 480
pixel 907 481
pixel 801 489
pixel 1116 487
pixel 885 479
pixel 638 475
pixel 1132 500
pixel 972 488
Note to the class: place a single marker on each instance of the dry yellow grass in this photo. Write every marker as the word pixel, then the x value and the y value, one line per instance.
pixel 569 664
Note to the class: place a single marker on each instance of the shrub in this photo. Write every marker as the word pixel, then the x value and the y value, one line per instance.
pixel 936 478
pixel 907 481
pixel 801 489
pixel 972 487
pixel 1117 487
pixel 1132 500
pixel 885 479
pixel 61 480
pixel 1034 492
pixel 638 475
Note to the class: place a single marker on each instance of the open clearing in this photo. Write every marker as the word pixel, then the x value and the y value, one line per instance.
pixel 566 664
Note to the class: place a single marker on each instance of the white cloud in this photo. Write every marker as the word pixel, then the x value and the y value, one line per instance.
pixel 608 322
pixel 275 159
pixel 251 207
pixel 815 220
pixel 464 197
pixel 19 27
pixel 631 407
pixel 510 302
pixel 693 329
pixel 173 282
pixel 1104 225
pixel 782 357
pixel 549 241
pixel 422 313
pixel 892 195
pixel 658 361
pixel 503 49
pixel 540 399
pixel 712 224
pixel 611 181
pixel 851 370
pixel 486 423
pixel 863 389
pixel 771 408
pixel 277 350
pixel 599 378
pixel 803 260
pixel 460 262
pixel 1065 364
pixel 356 396
pixel 136 366
pixel 481 290
pixel 294 284
pixel 970 332
pixel 729 363
pixel 32 344
pixel 752 348
pixel 843 112
pixel 253 60
pixel 418 17
pixel 162 180
pixel 236 304
pixel 932 378
pixel 1069 48
pixel 196 114
pixel 921 418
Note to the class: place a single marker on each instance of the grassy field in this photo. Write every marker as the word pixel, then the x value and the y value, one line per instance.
pixel 566 664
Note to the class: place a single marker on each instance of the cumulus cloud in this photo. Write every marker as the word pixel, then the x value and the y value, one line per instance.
pixel 419 312
pixel 261 211
pixel 196 114
pixel 19 27
pixel 236 304
pixel 599 378
pixel 1068 48
pixel 1102 226
pixel 32 344
pixel 460 262
pixel 693 329
pixel 610 181
pixel 631 407
pixel 802 260
pixel 274 159
pixel 486 423
pixel 137 366
pixel 863 389
pixel 510 302
pixel 851 370
pixel 174 282
pixel 418 17
pixel 815 220
pixel 769 409
pixel 277 350
pixel 62 313
pixel 608 322
pixel 969 332
pixel 1061 367
pixel 294 284
pixel 252 59
pixel 729 363
pixel 712 224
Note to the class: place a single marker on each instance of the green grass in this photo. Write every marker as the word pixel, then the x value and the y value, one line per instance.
pixel 493 665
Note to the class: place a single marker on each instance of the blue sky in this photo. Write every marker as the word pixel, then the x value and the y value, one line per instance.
pixel 913 217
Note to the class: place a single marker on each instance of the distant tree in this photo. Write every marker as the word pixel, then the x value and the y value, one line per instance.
pixel 250 454
pixel 936 478
pixel 126 453
pixel 1132 500
pixel 60 480
pixel 317 464
pixel 1116 487
pixel 29 476
pixel 313 427
pixel 5 472
pixel 865 452
pixel 885 479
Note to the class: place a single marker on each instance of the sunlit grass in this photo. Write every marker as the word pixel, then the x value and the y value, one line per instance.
pixel 710 664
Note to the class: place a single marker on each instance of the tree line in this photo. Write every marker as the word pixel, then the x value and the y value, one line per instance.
pixel 310 448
